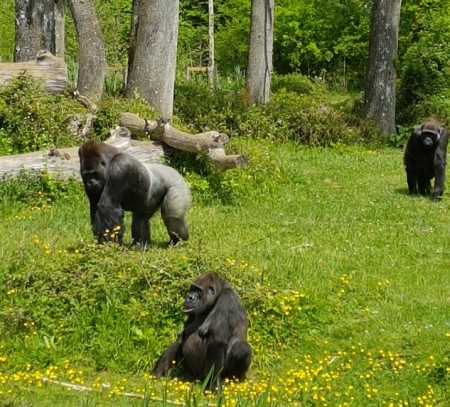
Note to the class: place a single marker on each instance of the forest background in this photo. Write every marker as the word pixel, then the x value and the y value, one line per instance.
pixel 343 275
pixel 325 41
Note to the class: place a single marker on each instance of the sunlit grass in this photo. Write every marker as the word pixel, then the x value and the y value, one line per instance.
pixel 344 278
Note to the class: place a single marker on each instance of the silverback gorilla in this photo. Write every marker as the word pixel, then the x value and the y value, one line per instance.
pixel 425 158
pixel 116 182
pixel 214 336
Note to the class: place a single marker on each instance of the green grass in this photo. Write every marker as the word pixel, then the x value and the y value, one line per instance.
pixel 344 276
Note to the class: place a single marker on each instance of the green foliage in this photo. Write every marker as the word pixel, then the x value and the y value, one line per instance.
pixel 320 246
pixel 292 83
pixel 197 105
pixel 31 119
pixel 6 30
pixel 425 66
pixel 298 110
pixel 110 108
pixel 322 39
pixel 36 188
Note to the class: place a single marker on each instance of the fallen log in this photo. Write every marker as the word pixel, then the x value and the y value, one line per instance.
pixel 65 164
pixel 211 143
pixel 47 67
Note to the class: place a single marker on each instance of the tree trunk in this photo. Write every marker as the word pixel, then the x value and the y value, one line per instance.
pixel 133 35
pixel 91 56
pixel 153 52
pixel 211 61
pixel 39 25
pixel 260 54
pixel 380 91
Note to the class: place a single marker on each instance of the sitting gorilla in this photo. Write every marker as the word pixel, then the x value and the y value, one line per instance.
pixel 425 158
pixel 214 338
pixel 116 182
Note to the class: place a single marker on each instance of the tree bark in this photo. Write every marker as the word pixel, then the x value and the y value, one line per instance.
pixel 153 51
pixel 133 36
pixel 259 68
pixel 46 67
pixel 211 59
pixel 91 56
pixel 39 25
pixel 380 91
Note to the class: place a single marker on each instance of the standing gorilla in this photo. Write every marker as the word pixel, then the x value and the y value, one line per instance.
pixel 425 158
pixel 214 335
pixel 116 182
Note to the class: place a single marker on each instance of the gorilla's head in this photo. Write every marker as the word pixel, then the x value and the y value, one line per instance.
pixel 94 162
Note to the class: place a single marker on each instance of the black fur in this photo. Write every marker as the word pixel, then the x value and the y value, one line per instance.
pixel 214 338
pixel 116 182
pixel 425 158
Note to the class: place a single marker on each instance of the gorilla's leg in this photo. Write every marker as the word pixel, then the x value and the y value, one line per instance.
pixel 412 180
pixel 173 211
pixel 238 361
pixel 215 360
pixel 140 229
pixel 439 180
pixel 424 183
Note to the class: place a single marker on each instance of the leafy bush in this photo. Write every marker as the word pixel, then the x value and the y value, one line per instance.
pixel 425 70
pixel 31 119
pixel 310 117
pixel 292 83
pixel 109 109
pixel 36 188
pixel 203 108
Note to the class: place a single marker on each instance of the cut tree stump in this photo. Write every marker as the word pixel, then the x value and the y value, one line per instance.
pixel 48 68
pixel 211 143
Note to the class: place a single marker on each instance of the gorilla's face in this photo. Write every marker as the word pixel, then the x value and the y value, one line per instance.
pixel 94 165
pixel 429 138
pixel 202 294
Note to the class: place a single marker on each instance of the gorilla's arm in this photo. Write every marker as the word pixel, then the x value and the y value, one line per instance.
pixel 227 314
pixel 125 174
pixel 172 354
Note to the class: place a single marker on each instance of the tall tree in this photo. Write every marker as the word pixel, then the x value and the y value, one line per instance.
pixel 380 90
pixel 153 53
pixel 259 67
pixel 39 25
pixel 211 59
pixel 91 52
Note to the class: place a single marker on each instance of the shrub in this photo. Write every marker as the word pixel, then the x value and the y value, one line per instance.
pixel 296 83
pixel 425 70
pixel 109 109
pixel 305 115
pixel 31 119
pixel 36 188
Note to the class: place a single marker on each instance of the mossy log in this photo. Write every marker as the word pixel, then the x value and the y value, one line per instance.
pixel 211 143
pixel 50 69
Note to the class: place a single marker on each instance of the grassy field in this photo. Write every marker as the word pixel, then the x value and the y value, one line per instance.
pixel 344 276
